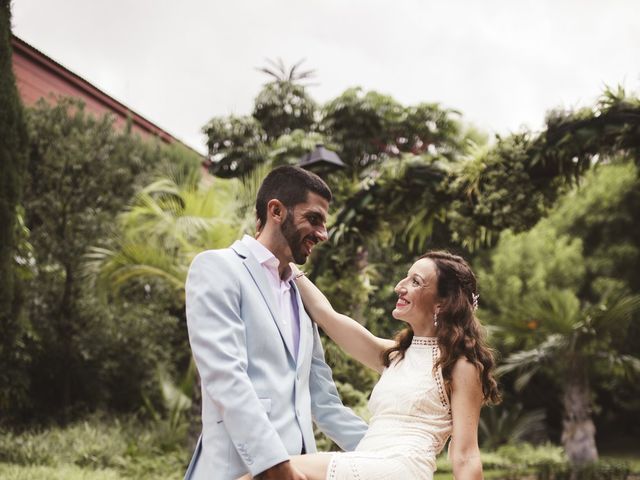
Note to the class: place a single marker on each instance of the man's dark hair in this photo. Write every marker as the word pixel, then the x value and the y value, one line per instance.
pixel 290 185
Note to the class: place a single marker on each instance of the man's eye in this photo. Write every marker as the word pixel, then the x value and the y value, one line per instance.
pixel 415 282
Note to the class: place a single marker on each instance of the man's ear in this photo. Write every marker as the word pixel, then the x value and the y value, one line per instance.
pixel 276 210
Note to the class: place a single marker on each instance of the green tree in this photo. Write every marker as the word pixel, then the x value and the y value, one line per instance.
pixel 567 308
pixel 371 128
pixel 283 104
pixel 574 140
pixel 236 145
pixel 13 149
pixel 81 173
pixel 514 182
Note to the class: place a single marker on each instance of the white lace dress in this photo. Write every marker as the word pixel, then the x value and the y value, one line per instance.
pixel 410 423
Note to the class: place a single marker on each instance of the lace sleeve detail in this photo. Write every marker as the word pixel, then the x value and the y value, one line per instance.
pixel 444 399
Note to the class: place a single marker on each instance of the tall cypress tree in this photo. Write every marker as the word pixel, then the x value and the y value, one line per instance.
pixel 13 146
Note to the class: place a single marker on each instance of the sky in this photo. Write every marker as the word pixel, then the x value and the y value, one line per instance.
pixel 501 63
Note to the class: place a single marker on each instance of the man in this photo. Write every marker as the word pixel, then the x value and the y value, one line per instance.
pixel 259 356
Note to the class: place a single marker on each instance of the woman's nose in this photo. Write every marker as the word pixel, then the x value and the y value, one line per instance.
pixel 400 287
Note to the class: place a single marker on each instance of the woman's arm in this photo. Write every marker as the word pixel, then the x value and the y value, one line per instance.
pixel 352 337
pixel 466 401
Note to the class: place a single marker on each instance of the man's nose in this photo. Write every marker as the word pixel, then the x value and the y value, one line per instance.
pixel 322 234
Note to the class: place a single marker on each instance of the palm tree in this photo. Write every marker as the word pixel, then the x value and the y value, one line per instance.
pixel 574 341
pixel 283 104
pixel 280 73
pixel 170 221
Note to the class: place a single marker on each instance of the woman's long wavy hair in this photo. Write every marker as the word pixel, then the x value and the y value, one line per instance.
pixel 459 332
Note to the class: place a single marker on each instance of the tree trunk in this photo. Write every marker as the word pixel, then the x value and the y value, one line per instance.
pixel 578 429
pixel 64 339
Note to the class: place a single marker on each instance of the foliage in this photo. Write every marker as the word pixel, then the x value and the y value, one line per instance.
pixel 283 106
pixel 497 188
pixel 165 227
pixel 516 457
pixel 279 72
pixel 582 252
pixel 371 127
pixel 236 145
pixel 563 319
pixel 500 425
pixel 289 148
pixel 601 470
pixel 610 128
pixel 512 184
pixel 13 149
pixel 82 353
pixel 63 472
pixel 121 448
pixel 168 222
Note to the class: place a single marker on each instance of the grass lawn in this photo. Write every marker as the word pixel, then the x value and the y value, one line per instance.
pixel 611 458
pixel 126 449
pixel 10 471
pixel 488 475
pixel 64 472
pixel 73 472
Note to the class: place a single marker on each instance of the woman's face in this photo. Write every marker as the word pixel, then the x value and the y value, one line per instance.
pixel 417 295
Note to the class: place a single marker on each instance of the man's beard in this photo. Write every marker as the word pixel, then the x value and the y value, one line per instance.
pixel 294 240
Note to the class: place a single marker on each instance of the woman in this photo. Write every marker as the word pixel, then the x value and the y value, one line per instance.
pixel 436 375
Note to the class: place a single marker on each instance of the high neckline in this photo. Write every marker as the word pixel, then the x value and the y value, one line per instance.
pixel 425 341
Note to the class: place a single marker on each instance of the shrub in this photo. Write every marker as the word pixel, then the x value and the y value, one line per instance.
pixel 602 470
pixel 515 459
pixel 127 447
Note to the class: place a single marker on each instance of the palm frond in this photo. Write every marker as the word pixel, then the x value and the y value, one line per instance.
pixel 501 425
pixel 296 76
pixel 168 223
pixel 529 362
pixel 555 311
pixel 279 72
pixel 615 316
pixel 111 270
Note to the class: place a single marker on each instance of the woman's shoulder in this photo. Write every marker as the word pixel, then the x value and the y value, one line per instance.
pixel 465 373
pixel 465 367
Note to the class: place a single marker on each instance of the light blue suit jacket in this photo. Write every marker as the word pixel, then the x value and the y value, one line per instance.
pixel 258 401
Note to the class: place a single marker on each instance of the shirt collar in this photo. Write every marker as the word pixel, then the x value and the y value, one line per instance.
pixel 263 255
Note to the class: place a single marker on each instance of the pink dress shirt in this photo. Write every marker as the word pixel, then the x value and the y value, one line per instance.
pixel 286 301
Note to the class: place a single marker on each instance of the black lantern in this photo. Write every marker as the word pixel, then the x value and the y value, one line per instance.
pixel 321 160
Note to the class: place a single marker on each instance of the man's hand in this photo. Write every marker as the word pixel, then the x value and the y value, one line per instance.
pixel 281 471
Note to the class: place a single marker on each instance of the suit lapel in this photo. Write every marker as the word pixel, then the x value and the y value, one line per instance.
pixel 303 319
pixel 257 273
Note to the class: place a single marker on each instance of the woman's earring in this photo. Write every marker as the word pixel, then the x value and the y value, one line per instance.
pixel 435 319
